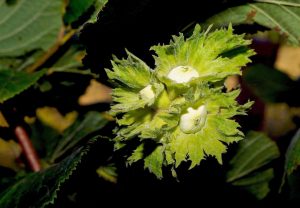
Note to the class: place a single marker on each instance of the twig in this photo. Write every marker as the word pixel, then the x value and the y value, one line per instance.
pixel 28 149
pixel 62 39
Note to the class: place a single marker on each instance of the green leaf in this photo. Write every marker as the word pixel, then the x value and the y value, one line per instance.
pixel 292 158
pixel 255 151
pixel 13 82
pixel 71 62
pixel 92 122
pixel 76 8
pixel 257 183
pixel 281 16
pixel 99 6
pixel 28 26
pixel 248 169
pixel 19 63
pixel 42 186
pixel 270 84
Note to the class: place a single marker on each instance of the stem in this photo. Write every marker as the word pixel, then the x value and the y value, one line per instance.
pixel 62 39
pixel 28 149
pixel 279 2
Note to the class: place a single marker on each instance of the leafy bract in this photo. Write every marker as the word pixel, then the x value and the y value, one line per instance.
pixel 179 104
pixel 136 84
pixel 205 53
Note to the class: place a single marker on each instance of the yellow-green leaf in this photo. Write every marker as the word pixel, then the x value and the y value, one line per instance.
pixel 9 152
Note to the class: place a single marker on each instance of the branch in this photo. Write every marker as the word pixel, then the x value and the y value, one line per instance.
pixel 28 149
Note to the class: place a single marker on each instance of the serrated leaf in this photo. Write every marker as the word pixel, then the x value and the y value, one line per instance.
pixel 92 121
pixel 13 82
pixel 255 151
pixel 217 130
pixel 154 161
pixel 257 184
pixel 196 146
pixel 281 16
pixel 76 9
pixel 99 5
pixel 137 154
pixel 292 157
pixel 29 25
pixel 42 186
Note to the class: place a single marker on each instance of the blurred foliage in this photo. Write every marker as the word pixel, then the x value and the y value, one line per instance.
pixel 281 16
pixel 42 186
pixel 247 171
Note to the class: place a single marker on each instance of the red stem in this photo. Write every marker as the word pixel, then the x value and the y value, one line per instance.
pixel 28 149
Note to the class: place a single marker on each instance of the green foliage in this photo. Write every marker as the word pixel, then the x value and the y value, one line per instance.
pixel 92 122
pixel 249 164
pixel 28 27
pixel 14 82
pixel 204 53
pixel 71 62
pixel 281 16
pixel 276 88
pixel 77 8
pixel 292 157
pixel 26 41
pixel 178 104
pixel 257 183
pixel 42 186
